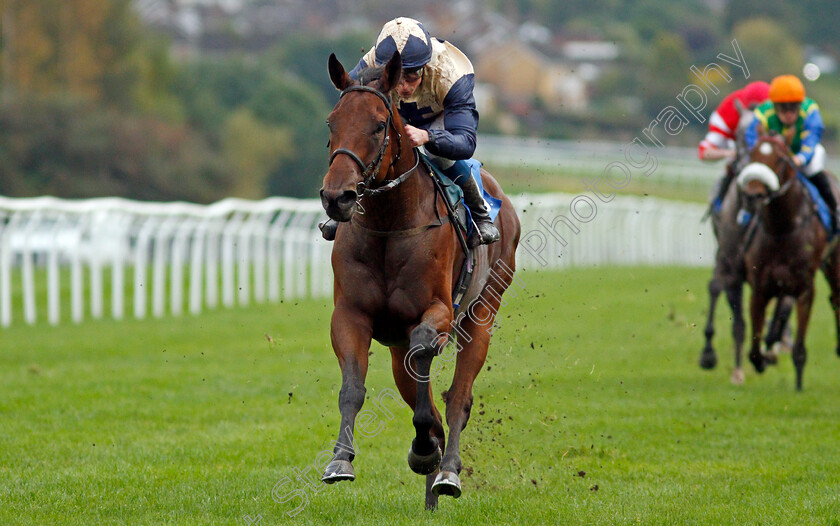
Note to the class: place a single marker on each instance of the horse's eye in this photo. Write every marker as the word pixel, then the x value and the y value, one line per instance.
pixel 380 128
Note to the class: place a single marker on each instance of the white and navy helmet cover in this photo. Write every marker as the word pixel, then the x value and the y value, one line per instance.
pixel 409 37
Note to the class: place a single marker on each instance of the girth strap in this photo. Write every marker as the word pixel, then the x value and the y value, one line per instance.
pixel 403 233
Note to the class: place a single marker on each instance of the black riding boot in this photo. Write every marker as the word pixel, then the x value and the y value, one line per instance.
pixel 487 232
pixel 328 229
pixel 822 183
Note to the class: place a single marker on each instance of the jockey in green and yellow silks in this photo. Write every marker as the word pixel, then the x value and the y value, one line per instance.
pixel 789 107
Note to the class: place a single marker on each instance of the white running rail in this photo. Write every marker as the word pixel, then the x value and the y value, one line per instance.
pixel 167 258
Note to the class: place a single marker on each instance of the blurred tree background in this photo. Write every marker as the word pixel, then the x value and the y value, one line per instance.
pixel 92 102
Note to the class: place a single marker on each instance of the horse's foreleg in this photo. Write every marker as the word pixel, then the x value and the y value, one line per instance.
pixel 473 340
pixel 708 359
pixel 784 306
pixel 758 307
pixel 351 335
pixel 831 270
pixel 425 340
pixel 407 386
pixel 803 315
pixel 735 297
pixel 475 329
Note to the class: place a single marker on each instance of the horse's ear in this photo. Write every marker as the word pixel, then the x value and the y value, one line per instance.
pixel 391 74
pixel 742 110
pixel 340 78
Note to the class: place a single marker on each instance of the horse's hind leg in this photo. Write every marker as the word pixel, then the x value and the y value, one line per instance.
pixel 708 359
pixel 803 314
pixel 408 389
pixel 351 335
pixel 735 297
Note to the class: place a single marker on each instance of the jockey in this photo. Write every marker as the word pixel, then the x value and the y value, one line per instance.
pixel 719 142
pixel 435 100
pixel 788 106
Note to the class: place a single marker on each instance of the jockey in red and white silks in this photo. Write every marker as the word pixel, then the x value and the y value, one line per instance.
pixel 719 141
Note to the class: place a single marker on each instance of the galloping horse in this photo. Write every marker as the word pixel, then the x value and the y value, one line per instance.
pixel 789 246
pixel 730 272
pixel 395 261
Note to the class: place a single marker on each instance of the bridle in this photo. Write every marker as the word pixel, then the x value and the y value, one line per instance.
pixel 370 170
pixel 785 158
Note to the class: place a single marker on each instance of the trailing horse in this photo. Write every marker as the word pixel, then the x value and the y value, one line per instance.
pixel 396 260
pixel 789 245
pixel 729 272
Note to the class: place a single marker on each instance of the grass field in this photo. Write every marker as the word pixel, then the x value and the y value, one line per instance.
pixel 591 410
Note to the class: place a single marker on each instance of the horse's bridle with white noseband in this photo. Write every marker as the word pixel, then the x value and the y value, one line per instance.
pixel 789 161
pixel 370 170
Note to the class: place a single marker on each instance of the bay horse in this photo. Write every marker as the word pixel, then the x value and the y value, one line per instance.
pixel 789 246
pixel 395 262
pixel 730 272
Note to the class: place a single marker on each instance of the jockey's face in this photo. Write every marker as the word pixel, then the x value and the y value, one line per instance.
pixel 409 81
pixel 788 112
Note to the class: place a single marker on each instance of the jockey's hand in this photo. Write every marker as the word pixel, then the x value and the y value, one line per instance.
pixel 798 160
pixel 714 154
pixel 416 136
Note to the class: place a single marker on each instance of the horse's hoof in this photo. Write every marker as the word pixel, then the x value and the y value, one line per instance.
pixel 425 464
pixel 708 360
pixel 447 483
pixel 758 363
pixel 338 470
pixel 737 377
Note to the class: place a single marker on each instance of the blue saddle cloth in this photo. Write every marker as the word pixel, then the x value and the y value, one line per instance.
pixel 456 196
pixel 822 209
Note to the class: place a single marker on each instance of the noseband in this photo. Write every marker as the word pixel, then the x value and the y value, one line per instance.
pixel 370 170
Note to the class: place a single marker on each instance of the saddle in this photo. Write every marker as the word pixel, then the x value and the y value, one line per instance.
pixel 458 215
pixel 820 207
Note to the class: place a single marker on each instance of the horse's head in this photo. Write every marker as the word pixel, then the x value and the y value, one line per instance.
pixel 770 167
pixel 360 126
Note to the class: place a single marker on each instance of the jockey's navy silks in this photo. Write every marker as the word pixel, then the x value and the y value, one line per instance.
pixel 447 89
pixel 435 96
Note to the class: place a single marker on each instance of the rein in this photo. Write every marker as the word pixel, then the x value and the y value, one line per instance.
pixel 370 170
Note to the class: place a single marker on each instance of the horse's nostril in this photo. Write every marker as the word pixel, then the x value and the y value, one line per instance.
pixel 347 198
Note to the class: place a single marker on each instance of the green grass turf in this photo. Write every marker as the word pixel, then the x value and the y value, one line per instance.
pixel 591 410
